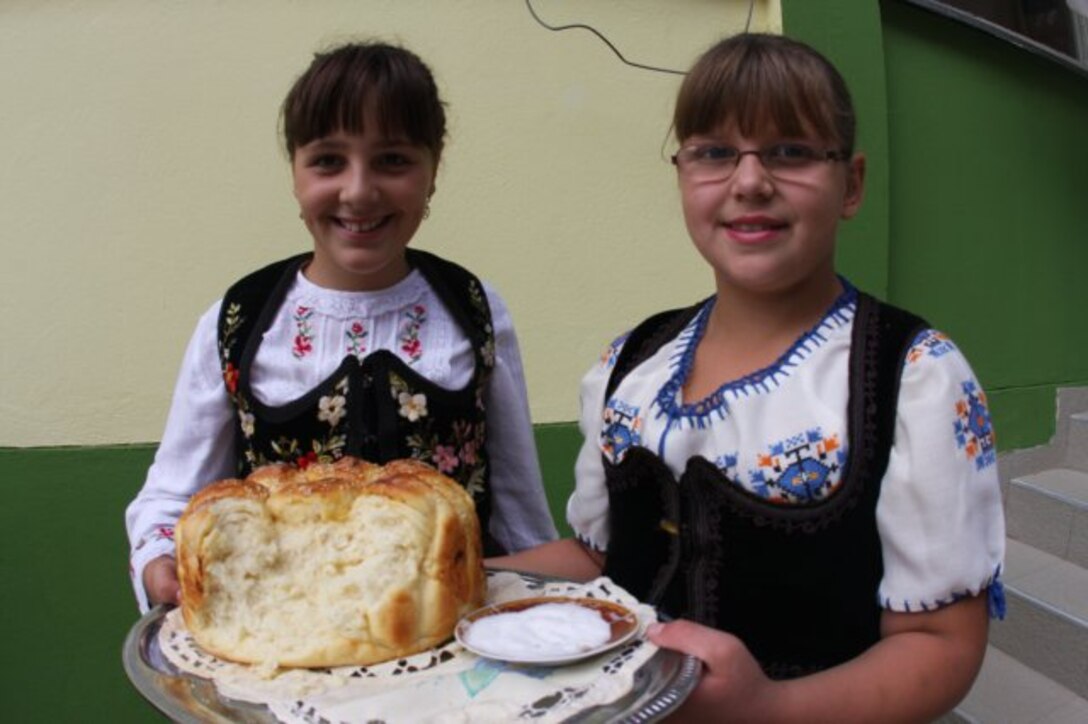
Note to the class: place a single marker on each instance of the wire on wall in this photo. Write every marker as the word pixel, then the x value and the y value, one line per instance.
pixel 613 48
pixel 582 26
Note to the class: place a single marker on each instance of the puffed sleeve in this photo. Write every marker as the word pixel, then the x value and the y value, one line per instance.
pixel 197 448
pixel 520 515
pixel 939 515
pixel 587 507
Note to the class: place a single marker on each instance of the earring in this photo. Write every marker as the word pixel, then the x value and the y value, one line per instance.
pixel 427 210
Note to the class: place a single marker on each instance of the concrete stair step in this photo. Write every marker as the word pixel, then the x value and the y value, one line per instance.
pixel 1048 510
pixel 1008 692
pixel 1076 447
pixel 1046 624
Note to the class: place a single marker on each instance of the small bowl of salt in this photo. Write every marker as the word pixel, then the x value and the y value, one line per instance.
pixel 546 630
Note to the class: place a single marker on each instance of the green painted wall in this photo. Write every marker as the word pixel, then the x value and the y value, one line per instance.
pixel 65 599
pixel 989 158
pixel 974 214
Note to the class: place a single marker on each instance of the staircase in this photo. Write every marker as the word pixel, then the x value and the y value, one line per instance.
pixel 1036 667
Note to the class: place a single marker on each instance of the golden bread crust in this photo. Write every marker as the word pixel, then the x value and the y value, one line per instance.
pixel 337 564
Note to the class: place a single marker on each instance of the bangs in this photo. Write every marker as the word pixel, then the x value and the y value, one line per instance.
pixel 759 87
pixel 346 90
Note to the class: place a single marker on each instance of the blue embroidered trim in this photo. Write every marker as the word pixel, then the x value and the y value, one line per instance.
pixel 698 414
pixel 995 598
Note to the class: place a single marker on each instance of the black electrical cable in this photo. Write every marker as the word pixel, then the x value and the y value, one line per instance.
pixel 606 41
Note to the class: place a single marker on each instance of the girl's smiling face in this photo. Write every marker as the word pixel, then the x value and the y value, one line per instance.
pixel 362 197
pixel 767 232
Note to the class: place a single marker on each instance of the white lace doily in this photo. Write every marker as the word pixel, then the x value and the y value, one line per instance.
pixel 444 685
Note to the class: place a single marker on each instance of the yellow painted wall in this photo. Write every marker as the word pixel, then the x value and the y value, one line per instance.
pixel 141 174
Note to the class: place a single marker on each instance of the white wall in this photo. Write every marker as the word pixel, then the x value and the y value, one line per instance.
pixel 140 173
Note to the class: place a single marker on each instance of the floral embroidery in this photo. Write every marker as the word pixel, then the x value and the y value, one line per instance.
pixel 931 343
pixel 303 332
pixel 409 337
pixel 412 406
pixel 476 296
pixel 456 451
pixel 356 334
pixel 248 423
pixel 974 432
pixel 445 458
pixel 487 350
pixel 621 430
pixel 801 468
pixel 163 532
pixel 230 377
pixel 288 450
pixel 470 438
pixel 331 409
pixel 232 321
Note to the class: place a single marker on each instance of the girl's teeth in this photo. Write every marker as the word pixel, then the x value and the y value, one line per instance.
pixel 358 227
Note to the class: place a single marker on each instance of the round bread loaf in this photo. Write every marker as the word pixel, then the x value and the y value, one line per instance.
pixel 337 564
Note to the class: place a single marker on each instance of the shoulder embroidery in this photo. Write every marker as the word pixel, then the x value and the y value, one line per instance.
pixel 930 343
pixel 974 432
pixel 622 429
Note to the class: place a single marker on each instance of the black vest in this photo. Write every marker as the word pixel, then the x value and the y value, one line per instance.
pixel 798 584
pixel 359 409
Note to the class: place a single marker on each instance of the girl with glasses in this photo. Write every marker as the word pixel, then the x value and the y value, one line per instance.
pixel 803 475
pixel 361 346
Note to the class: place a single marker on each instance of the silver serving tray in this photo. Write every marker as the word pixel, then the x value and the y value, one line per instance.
pixel 660 686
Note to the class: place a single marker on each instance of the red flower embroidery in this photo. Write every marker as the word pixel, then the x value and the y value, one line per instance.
pixel 302 346
pixel 356 335
pixel 230 377
pixel 304 334
pixel 409 336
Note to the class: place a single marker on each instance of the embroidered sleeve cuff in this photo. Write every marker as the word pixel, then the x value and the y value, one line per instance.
pixel 992 586
pixel 158 543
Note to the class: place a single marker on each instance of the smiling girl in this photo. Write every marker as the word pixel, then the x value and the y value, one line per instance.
pixel 805 474
pixel 361 347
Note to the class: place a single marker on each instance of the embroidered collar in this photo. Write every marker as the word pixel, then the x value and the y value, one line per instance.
pixel 669 397
pixel 343 305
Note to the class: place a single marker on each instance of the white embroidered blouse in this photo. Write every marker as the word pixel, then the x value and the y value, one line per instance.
pixel 313 331
pixel 781 433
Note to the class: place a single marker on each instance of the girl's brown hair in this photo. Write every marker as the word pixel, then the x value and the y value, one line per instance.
pixel 759 81
pixel 342 84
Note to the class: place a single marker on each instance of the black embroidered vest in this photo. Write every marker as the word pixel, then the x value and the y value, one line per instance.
pixel 798 584
pixel 376 408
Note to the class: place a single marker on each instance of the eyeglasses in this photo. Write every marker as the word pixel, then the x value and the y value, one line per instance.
pixel 710 162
